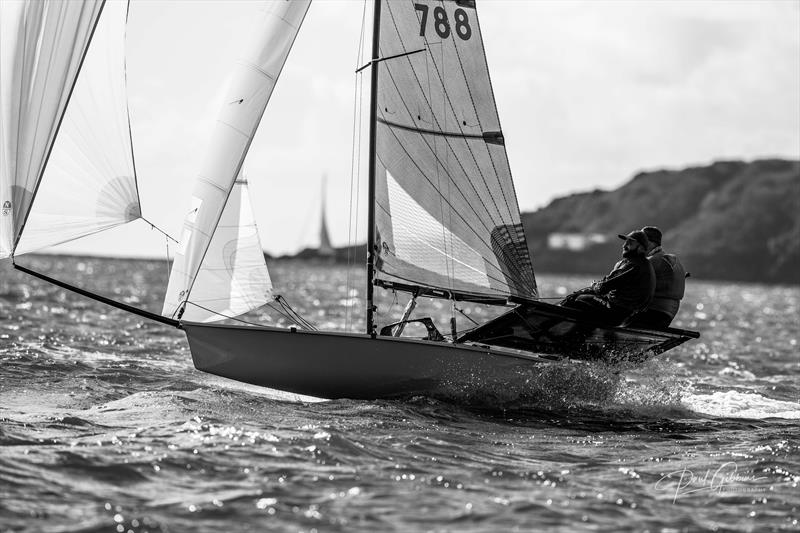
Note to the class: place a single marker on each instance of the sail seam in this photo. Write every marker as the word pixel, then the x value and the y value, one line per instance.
pixel 519 265
pixel 502 191
pixel 521 277
pixel 450 105
pixel 481 241
pixel 501 281
pixel 405 104
pixel 208 181
pixel 518 277
pixel 491 159
pixel 256 68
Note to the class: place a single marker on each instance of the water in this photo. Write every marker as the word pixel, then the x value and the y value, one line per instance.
pixel 106 426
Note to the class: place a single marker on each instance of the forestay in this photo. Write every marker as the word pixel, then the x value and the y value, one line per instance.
pixel 447 215
pixel 249 90
pixel 89 184
pixel 42 45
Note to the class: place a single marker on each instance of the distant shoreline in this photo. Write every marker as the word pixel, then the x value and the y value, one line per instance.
pixel 322 262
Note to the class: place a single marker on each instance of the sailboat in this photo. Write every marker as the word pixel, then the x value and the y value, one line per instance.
pixel 443 217
pixel 325 248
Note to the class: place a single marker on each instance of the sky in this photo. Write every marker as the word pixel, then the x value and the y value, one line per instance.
pixel 588 93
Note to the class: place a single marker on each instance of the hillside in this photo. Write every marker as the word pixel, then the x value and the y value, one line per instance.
pixel 731 220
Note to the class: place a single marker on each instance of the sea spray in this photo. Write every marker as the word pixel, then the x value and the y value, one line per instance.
pixel 655 382
pixel 552 385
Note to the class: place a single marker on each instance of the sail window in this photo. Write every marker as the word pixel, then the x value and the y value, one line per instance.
pixel 422 240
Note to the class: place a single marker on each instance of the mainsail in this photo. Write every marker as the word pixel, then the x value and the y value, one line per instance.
pixel 248 93
pixel 89 184
pixel 42 45
pixel 447 217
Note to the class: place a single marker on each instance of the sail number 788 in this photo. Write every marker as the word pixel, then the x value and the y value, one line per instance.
pixel 441 24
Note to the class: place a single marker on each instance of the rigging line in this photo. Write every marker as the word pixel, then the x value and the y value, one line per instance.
pixel 452 109
pixel 52 140
pixel 450 224
pixel 166 244
pixel 448 260
pixel 235 319
pixel 466 315
pixel 355 168
pixel 376 61
pixel 285 304
pixel 279 311
pixel 164 233
pixel 128 107
pixel 522 277
pixel 94 296
pixel 480 238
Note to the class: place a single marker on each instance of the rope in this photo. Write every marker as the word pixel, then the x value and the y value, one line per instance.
pixel 288 313
pixel 294 314
pixel 355 170
pixel 222 314
pixel 465 314
pixel 167 235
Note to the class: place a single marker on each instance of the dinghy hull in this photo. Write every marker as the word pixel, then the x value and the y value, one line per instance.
pixel 341 365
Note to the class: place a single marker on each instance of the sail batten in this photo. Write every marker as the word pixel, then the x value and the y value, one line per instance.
pixel 434 132
pixel 448 215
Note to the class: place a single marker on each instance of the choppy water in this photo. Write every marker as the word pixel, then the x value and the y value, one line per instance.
pixel 106 426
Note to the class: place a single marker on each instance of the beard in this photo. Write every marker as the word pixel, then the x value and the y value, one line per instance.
pixel 629 254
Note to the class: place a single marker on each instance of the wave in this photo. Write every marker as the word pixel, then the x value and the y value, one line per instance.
pixel 735 404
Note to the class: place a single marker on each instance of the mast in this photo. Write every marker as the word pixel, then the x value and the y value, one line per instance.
pixel 373 106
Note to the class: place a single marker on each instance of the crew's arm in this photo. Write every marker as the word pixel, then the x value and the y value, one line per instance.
pixel 617 278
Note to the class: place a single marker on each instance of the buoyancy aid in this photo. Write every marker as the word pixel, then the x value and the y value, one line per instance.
pixel 670 282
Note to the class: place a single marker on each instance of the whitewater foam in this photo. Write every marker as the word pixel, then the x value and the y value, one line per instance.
pixel 735 404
